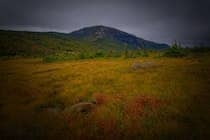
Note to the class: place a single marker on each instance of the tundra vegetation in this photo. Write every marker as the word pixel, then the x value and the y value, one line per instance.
pixel 157 96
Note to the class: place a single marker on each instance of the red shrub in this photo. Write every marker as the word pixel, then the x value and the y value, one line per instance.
pixel 101 99
pixel 137 106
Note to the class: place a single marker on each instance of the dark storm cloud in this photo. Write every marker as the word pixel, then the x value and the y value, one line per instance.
pixel 158 20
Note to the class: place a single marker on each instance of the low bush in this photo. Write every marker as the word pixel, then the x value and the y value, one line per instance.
pixel 175 51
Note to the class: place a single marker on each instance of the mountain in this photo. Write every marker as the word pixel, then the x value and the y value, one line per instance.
pixel 90 39
pixel 103 36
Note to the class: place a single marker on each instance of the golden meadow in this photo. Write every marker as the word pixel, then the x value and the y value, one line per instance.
pixel 134 98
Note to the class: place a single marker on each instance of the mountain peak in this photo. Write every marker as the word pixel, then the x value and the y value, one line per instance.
pixel 97 27
pixel 101 33
pixel 98 31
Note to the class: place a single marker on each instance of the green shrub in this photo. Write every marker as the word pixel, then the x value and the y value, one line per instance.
pixel 82 55
pixel 175 50
pixel 199 49
pixel 99 54
pixel 59 57
pixel 143 53
pixel 129 54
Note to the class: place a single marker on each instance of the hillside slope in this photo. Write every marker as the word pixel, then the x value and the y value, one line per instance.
pixel 91 39
pixel 38 44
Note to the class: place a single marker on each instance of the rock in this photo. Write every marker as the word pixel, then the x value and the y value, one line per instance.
pixel 83 107
pixel 138 65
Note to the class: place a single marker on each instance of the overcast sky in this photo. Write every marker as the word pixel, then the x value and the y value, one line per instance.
pixel 158 20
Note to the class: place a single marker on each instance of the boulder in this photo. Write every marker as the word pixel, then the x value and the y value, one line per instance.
pixel 83 107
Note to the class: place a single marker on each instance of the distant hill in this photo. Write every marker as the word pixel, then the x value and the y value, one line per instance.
pixel 103 36
pixel 91 39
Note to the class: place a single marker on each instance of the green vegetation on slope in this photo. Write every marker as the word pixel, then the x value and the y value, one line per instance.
pixel 39 44
pixel 58 46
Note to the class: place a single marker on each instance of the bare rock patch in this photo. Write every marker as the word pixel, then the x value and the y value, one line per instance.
pixel 143 65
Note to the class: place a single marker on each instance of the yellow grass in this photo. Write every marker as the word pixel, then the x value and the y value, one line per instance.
pixel 168 100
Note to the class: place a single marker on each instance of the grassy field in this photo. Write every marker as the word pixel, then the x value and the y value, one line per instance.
pixel 136 98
